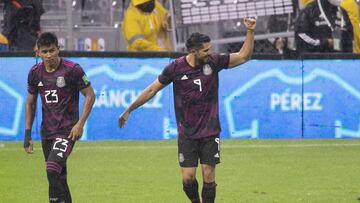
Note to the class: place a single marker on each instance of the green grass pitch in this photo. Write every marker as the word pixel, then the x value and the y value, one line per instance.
pixel 283 171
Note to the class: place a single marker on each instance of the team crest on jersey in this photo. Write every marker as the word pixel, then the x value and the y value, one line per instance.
pixel 60 81
pixel 207 69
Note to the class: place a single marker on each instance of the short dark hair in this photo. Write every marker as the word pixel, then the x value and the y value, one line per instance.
pixel 196 41
pixel 47 39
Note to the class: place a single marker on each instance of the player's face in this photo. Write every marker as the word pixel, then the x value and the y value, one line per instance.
pixel 49 54
pixel 202 55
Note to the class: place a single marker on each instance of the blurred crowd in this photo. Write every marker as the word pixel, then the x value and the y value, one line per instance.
pixel 21 26
pixel 320 26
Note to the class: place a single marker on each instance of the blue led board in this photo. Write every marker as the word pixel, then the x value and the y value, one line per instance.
pixel 260 99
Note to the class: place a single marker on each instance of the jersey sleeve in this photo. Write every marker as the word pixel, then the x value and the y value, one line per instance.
pixel 32 86
pixel 221 61
pixel 167 76
pixel 80 79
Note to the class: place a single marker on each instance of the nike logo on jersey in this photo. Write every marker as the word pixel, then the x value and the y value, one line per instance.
pixel 40 84
pixel 184 77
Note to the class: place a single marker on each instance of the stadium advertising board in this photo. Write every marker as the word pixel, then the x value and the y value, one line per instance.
pixel 260 99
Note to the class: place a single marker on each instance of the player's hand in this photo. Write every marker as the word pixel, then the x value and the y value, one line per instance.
pixel 250 23
pixel 123 118
pixel 28 143
pixel 76 132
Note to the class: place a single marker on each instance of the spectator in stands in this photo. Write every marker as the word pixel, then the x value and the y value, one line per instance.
pixel 283 23
pixel 323 26
pixel 281 46
pixel 146 25
pixel 22 23
pixel 352 9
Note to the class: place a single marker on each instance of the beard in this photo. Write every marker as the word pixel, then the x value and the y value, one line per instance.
pixel 202 61
pixel 53 62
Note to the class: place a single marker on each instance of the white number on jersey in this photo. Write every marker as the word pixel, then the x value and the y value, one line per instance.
pixel 198 82
pixel 60 144
pixel 51 96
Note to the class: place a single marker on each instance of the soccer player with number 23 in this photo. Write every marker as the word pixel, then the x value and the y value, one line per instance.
pixel 58 82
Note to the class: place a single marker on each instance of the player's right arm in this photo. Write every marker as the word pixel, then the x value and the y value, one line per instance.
pixel 247 49
pixel 30 109
pixel 144 96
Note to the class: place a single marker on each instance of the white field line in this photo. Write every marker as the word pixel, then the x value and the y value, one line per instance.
pixel 223 146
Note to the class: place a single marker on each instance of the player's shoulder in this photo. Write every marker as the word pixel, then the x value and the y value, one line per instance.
pixel 71 66
pixel 176 65
pixel 213 55
pixel 216 56
pixel 180 62
pixel 68 64
pixel 37 67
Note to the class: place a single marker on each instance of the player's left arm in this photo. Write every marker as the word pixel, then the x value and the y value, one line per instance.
pixel 247 49
pixel 30 109
pixel 77 130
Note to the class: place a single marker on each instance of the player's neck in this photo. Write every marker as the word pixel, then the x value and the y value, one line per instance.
pixel 52 67
pixel 190 59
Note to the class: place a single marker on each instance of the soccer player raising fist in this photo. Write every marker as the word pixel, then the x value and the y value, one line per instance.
pixel 195 79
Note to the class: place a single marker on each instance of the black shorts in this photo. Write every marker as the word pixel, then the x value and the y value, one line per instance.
pixel 57 149
pixel 205 149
